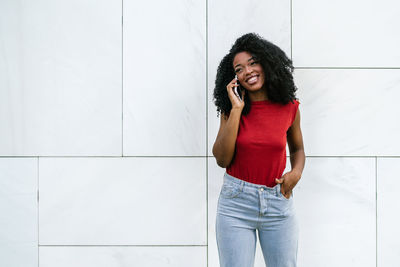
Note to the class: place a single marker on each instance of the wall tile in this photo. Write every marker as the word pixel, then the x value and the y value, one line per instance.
pixel 335 202
pixel 346 33
pixel 388 184
pixel 164 78
pixel 123 256
pixel 18 212
pixel 122 201
pixel 349 112
pixel 60 78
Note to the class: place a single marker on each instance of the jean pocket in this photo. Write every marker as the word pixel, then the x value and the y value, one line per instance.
pixel 282 196
pixel 230 190
pixel 281 205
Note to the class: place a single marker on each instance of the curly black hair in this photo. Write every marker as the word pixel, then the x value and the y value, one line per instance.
pixel 278 69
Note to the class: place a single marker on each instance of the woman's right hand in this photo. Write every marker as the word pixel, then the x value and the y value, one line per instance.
pixel 235 101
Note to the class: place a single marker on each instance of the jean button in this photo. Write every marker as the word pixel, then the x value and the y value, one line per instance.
pixel 261 189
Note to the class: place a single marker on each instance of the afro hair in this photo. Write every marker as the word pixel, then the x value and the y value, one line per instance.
pixel 278 69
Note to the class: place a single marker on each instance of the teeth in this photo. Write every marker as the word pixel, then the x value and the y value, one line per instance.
pixel 252 80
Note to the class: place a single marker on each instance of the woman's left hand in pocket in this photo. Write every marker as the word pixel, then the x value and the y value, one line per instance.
pixel 288 181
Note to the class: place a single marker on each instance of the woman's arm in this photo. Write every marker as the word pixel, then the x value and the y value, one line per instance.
pixel 296 148
pixel 224 145
pixel 297 158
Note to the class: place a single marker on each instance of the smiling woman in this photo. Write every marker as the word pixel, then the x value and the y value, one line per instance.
pixel 251 145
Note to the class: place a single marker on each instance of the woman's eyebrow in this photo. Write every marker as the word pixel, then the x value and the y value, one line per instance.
pixel 247 60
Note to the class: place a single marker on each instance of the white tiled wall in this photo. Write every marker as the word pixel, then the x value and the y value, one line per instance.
pixel 113 123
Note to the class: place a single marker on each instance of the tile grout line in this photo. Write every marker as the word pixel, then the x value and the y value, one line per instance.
pixel 360 68
pixel 75 245
pixel 206 146
pixel 376 211
pixel 37 202
pixel 291 32
pixel 122 78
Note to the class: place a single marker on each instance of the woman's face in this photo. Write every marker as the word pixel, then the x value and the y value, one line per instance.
pixel 249 71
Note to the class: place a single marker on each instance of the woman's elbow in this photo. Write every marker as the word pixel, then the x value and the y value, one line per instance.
pixel 221 164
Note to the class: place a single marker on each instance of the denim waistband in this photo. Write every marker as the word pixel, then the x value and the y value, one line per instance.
pixel 230 178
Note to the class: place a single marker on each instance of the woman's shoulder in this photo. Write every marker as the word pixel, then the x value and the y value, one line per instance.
pixel 294 103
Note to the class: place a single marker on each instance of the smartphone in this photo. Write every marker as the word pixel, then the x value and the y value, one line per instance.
pixel 237 89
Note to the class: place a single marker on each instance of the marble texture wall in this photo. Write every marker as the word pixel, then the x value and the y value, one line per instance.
pixel 107 125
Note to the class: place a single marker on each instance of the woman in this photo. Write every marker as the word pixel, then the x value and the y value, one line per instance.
pixel 251 145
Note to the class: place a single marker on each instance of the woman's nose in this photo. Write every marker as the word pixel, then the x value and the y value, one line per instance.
pixel 248 69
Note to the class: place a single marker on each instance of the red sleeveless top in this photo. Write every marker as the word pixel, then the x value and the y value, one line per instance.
pixel 260 152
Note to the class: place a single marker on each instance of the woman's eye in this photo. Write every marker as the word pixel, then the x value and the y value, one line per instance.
pixel 254 62
pixel 237 70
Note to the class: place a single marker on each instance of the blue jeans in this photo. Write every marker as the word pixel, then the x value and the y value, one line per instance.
pixel 244 207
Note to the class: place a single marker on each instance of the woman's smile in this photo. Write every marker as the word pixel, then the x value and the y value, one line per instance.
pixel 253 80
